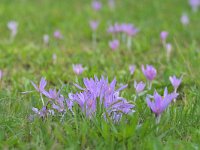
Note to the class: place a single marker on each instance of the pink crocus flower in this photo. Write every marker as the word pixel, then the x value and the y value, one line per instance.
pixel 1 74
pixel 139 87
pixel 94 25
pixel 57 34
pixel 132 69
pixel 78 69
pixel 185 19
pixel 163 36
pixel 13 26
pixel 160 103
pixel 96 5
pixel 194 4
pixel 149 72
pixel 114 44
pixel 175 82
pixel 46 39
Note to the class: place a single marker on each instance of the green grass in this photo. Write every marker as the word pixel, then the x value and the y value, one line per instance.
pixel 26 58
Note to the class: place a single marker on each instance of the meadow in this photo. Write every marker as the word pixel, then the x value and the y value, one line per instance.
pixel 26 57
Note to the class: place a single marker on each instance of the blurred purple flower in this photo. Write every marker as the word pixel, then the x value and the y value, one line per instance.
pixel 175 82
pixel 194 4
pixel 139 87
pixel 150 72
pixel 41 113
pixel 54 57
pixel 46 39
pixel 129 29
pixel 132 69
pixel 78 69
pixel 96 5
pixel 114 44
pixel 164 35
pixel 1 74
pixel 41 86
pixel 12 26
pixel 57 34
pixel 94 25
pixel 160 103
pixel 58 103
pixel 185 19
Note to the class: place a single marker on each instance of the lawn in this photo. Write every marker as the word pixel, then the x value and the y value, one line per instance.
pixel 25 58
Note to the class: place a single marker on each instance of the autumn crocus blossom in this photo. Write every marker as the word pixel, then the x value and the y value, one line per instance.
pixel 12 26
pixel 185 19
pixel 149 72
pixel 41 87
pixel 94 25
pixel 139 87
pixel 57 34
pixel 78 69
pixel 96 5
pixel 163 36
pixel 114 44
pixel 160 103
pixel 1 74
pixel 194 4
pixel 132 69
pixel 46 39
pixel 175 82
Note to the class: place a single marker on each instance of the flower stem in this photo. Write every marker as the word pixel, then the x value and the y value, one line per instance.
pixel 158 119
pixel 42 99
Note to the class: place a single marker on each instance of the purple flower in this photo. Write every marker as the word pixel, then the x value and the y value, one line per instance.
pixel 70 102
pixel 175 82
pixel 99 89
pixel 12 26
pixel 114 44
pixel 46 39
pixel 194 4
pixel 53 94
pixel 96 5
pixel 94 25
pixel 160 103
pixel 41 113
pixel 139 87
pixel 129 29
pixel 57 34
pixel 1 74
pixel 163 36
pixel 185 19
pixel 132 69
pixel 168 47
pixel 150 72
pixel 78 69
pixel 58 104
pixel 41 86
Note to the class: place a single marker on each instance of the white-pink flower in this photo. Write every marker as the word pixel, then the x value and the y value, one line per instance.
pixel 13 26
pixel 114 44
pixel 78 69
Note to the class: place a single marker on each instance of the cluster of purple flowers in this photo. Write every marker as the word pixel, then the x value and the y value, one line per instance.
pixel 55 100
pixel 126 30
pixel 100 91
pixel 98 94
pixel 96 91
